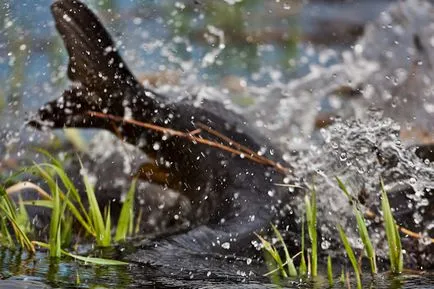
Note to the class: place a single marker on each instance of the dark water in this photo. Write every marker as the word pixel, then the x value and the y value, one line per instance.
pixel 40 272
pixel 277 62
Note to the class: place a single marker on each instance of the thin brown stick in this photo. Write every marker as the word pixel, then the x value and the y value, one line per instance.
pixel 138 123
pixel 413 234
pixel 196 131
pixel 226 139
pixel 189 136
pixel 240 151
pixel 239 146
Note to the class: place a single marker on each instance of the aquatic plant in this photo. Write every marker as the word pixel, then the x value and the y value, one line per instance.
pixel 126 217
pixel 329 270
pixel 303 266
pixel 310 204
pixel 392 233
pixel 8 215
pixel 275 256
pixel 350 255
pixel 362 228
pixel 65 208
pixel 101 226
pixel 55 225
pixel 93 260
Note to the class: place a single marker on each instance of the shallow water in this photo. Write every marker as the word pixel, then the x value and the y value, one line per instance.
pixel 40 272
pixel 289 70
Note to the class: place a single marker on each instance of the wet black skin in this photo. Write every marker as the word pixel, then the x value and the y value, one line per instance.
pixel 232 196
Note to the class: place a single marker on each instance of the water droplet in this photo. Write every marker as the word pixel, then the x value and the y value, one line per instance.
pixel 66 18
pixel 156 146
pixel 226 245
pixel 343 156
pixel 325 244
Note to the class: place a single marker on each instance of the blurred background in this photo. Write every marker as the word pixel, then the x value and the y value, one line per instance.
pixel 223 43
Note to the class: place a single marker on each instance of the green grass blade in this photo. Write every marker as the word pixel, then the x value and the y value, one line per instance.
pixel 53 186
pixel 303 266
pixel 50 157
pixel 55 226
pixel 344 189
pixel 19 233
pixel 67 235
pixel 350 255
pixel 292 271
pixel 126 216
pixel 363 232
pixel 311 227
pixel 70 187
pixel 9 212
pixel 22 216
pixel 274 255
pixel 95 212
pixel 5 235
pixel 361 225
pixel 97 261
pixel 90 260
pixel 342 278
pixel 329 270
pixel 39 203
pixel 108 226
pixel 392 233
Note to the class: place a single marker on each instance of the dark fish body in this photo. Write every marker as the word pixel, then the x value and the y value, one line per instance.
pixel 232 196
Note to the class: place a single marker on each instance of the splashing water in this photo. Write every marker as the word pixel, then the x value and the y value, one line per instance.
pixel 389 68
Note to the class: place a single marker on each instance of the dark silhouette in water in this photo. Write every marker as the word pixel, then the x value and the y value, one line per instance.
pixel 232 196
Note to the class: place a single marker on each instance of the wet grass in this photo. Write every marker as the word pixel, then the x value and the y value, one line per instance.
pixel 66 209
pixel 362 228
pixel 310 205
pixel 310 270
pixel 392 233
pixel 351 255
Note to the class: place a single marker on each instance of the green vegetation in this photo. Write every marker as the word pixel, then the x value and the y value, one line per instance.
pixel 330 270
pixel 363 230
pixel 392 233
pixel 310 204
pixel 66 208
pixel 350 255
pixel 9 215
pixel 303 266
pixel 275 256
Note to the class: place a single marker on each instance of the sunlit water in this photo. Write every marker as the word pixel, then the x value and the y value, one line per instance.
pixel 285 77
